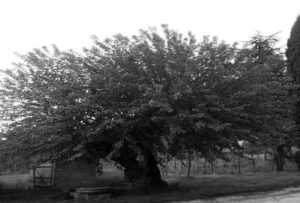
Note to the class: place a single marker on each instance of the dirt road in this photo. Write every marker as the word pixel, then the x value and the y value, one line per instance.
pixel 291 195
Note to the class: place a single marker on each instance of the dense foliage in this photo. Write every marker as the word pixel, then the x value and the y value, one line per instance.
pixel 133 99
pixel 293 51
pixel 293 64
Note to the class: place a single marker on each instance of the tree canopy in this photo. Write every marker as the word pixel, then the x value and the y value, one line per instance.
pixel 293 63
pixel 293 51
pixel 133 99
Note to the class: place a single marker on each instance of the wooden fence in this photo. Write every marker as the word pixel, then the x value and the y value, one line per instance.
pixel 43 177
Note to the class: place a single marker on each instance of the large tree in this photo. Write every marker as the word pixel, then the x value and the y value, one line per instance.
pixel 133 99
pixel 293 63
pixel 278 133
pixel 293 52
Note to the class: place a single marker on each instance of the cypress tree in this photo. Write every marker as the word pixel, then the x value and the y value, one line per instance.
pixel 293 52
pixel 293 66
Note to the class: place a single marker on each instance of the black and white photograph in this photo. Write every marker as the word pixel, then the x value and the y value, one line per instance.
pixel 141 101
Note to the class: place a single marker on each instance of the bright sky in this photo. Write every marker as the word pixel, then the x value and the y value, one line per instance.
pixel 27 24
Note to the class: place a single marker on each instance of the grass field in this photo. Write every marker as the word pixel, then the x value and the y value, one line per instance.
pixel 202 187
pixel 23 181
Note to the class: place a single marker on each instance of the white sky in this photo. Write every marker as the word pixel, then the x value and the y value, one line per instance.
pixel 27 24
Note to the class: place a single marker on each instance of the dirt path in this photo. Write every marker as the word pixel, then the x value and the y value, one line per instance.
pixel 290 195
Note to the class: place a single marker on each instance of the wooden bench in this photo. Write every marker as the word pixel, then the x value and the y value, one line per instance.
pixel 91 193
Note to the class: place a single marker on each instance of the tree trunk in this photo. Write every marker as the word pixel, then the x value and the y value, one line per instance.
pixel 197 161
pixel 182 168
pixel 189 163
pixel 296 157
pixel 151 172
pixel 253 161
pixel 175 165
pixel 239 164
pixel 166 165
pixel 279 158
pixel 204 167
pixel 234 164
pixel 145 173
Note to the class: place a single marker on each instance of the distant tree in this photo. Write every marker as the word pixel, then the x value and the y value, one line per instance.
pixel 279 124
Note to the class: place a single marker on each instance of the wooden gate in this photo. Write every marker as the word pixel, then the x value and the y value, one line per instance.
pixel 43 177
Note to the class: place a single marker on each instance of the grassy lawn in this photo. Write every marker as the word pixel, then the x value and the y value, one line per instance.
pixel 180 189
